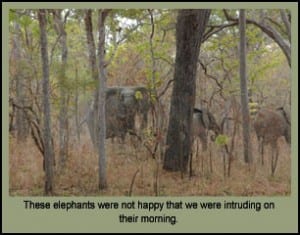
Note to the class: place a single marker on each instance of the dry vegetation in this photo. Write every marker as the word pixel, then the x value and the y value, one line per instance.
pixel 80 177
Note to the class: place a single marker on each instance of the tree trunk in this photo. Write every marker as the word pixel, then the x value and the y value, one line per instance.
pixel 102 87
pixel 76 101
pixel 244 91
pixel 63 113
pixel 190 27
pixel 48 151
pixel 92 60
pixel 21 123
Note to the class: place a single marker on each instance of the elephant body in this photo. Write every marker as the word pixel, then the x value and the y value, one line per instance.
pixel 123 104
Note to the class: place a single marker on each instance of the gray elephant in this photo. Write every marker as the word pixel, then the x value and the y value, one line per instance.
pixel 136 100
pixel 123 105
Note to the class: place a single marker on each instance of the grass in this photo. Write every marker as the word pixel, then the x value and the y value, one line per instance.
pixel 80 174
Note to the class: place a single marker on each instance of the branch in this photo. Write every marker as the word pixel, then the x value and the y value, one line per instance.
pixel 132 182
pixel 220 85
pixel 53 48
pixel 66 16
pixel 153 87
pixel 215 29
pixel 271 32
pixel 152 24
pixel 210 76
pixel 286 22
pixel 276 24
pixel 34 122
pixel 166 88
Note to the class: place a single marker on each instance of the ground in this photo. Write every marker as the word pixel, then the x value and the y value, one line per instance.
pixel 80 175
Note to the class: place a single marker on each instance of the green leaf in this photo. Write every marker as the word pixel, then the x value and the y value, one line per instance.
pixel 138 95
pixel 221 140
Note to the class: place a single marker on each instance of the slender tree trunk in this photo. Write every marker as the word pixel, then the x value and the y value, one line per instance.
pixel 77 121
pixel 96 119
pixel 21 123
pixel 93 66
pixel 63 113
pixel 244 91
pixel 48 151
pixel 190 27
pixel 102 87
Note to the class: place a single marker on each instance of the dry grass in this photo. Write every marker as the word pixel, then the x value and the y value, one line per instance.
pixel 80 176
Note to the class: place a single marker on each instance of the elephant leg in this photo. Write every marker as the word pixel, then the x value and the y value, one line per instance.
pixel 261 150
pixel 275 154
pixel 197 152
pixel 191 164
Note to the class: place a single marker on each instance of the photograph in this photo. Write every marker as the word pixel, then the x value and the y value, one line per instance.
pixel 149 102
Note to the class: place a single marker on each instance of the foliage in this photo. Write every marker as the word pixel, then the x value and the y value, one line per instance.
pixel 221 140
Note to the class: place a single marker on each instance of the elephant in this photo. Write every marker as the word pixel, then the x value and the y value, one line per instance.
pixel 123 105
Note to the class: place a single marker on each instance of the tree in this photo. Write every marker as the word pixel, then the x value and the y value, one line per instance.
pixel 102 14
pixel 94 71
pixel 48 151
pixel 63 114
pixel 97 123
pixel 190 27
pixel 21 122
pixel 244 90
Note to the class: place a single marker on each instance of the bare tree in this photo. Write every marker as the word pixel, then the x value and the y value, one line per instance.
pixel 190 27
pixel 48 151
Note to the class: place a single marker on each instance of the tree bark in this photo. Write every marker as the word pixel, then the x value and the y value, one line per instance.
pixel 63 113
pixel 93 66
pixel 101 113
pixel 190 28
pixel 286 22
pixel 244 90
pixel 48 151
pixel 76 101
pixel 21 123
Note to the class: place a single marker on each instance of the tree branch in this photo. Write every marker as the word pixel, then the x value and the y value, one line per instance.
pixel 286 22
pixel 215 29
pixel 165 89
pixel 271 32
pixel 220 85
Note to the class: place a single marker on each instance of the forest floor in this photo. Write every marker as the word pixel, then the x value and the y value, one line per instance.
pixel 80 174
